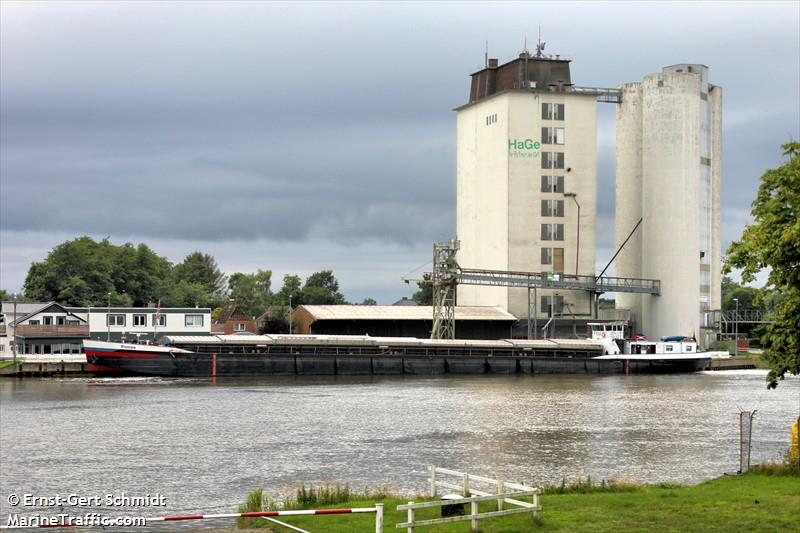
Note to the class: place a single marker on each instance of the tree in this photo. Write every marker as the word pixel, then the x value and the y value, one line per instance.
pixel 731 290
pixel 773 242
pixel 424 296
pixel 202 269
pixel 291 288
pixel 369 301
pixel 322 288
pixel 5 296
pixel 252 292
pixel 84 272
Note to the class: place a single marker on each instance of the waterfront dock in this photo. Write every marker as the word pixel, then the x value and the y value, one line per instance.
pixel 45 365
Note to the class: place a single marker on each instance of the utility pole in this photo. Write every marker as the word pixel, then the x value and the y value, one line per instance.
pixel 108 319
pixel 14 325
pixel 736 329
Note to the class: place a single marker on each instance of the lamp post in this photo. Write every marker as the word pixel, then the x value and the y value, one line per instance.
pixel 574 197
pixel 736 329
pixel 14 325
pixel 108 319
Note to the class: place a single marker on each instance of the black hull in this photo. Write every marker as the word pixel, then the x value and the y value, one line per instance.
pixel 272 364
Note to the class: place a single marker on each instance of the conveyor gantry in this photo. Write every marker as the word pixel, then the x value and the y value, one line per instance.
pixel 554 280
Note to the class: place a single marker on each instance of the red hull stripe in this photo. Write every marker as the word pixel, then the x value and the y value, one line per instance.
pixel 141 355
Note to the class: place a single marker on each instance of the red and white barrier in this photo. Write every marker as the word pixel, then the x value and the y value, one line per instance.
pixel 378 510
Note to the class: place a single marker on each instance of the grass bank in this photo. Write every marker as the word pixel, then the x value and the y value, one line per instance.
pixel 758 501
pixel 6 364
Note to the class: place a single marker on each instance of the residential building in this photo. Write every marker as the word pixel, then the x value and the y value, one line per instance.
pixel 232 320
pixel 51 328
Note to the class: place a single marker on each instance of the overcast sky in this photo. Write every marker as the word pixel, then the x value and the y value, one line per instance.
pixel 307 136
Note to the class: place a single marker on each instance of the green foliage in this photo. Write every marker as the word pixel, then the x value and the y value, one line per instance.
pixel 5 296
pixel 202 269
pixel 322 288
pixel 587 486
pixel 252 292
pixel 368 301
pixel 424 296
pixel 748 296
pixel 83 272
pixel 773 242
pixel 292 285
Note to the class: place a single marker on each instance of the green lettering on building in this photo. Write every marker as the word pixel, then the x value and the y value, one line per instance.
pixel 523 148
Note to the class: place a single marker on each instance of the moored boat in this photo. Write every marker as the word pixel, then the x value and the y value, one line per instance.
pixel 254 355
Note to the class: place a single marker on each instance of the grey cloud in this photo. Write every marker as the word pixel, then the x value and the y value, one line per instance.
pixel 287 123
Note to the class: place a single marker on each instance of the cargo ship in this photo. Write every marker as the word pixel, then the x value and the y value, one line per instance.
pixel 263 355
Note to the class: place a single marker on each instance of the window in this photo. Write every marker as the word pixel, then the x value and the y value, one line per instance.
pixel 552 208
pixel 194 320
pixel 552 159
pixel 115 320
pixel 73 322
pixel 140 320
pixel 47 320
pixel 240 326
pixel 552 232
pixel 547 256
pixel 33 322
pixel 162 320
pixel 669 347
pixel 61 320
pixel 553 184
pixel 552 135
pixel 553 111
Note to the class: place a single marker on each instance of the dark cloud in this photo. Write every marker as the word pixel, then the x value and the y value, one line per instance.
pixel 287 123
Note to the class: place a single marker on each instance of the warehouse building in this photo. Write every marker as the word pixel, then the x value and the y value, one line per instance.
pixel 472 322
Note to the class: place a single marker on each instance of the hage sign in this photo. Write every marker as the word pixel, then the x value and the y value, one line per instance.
pixel 523 148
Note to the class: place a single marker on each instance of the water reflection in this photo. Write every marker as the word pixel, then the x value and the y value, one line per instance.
pixel 206 445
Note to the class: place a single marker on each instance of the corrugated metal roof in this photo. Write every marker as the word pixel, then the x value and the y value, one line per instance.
pixel 401 312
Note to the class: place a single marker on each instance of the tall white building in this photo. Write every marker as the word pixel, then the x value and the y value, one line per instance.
pixel 526 158
pixel 669 170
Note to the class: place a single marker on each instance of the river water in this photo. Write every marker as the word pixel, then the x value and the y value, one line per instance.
pixel 204 445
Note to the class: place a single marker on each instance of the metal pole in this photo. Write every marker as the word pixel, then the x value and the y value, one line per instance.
pixel 736 329
pixel 290 314
pixel 574 197
pixel 14 325
pixel 108 319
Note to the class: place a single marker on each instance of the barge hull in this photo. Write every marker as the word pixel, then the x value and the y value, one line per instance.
pixel 202 365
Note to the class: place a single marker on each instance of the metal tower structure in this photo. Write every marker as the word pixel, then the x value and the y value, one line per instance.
pixel 444 280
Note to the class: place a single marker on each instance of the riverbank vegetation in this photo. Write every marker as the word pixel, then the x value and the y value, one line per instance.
pixel 765 499
pixel 772 242
pixel 85 272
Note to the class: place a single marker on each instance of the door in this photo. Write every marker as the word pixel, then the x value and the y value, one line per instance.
pixel 558 260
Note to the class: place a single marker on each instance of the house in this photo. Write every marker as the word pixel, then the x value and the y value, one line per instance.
pixel 233 320
pixel 51 328
pixel 46 328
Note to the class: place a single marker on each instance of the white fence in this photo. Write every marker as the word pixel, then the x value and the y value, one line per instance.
pixel 497 490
